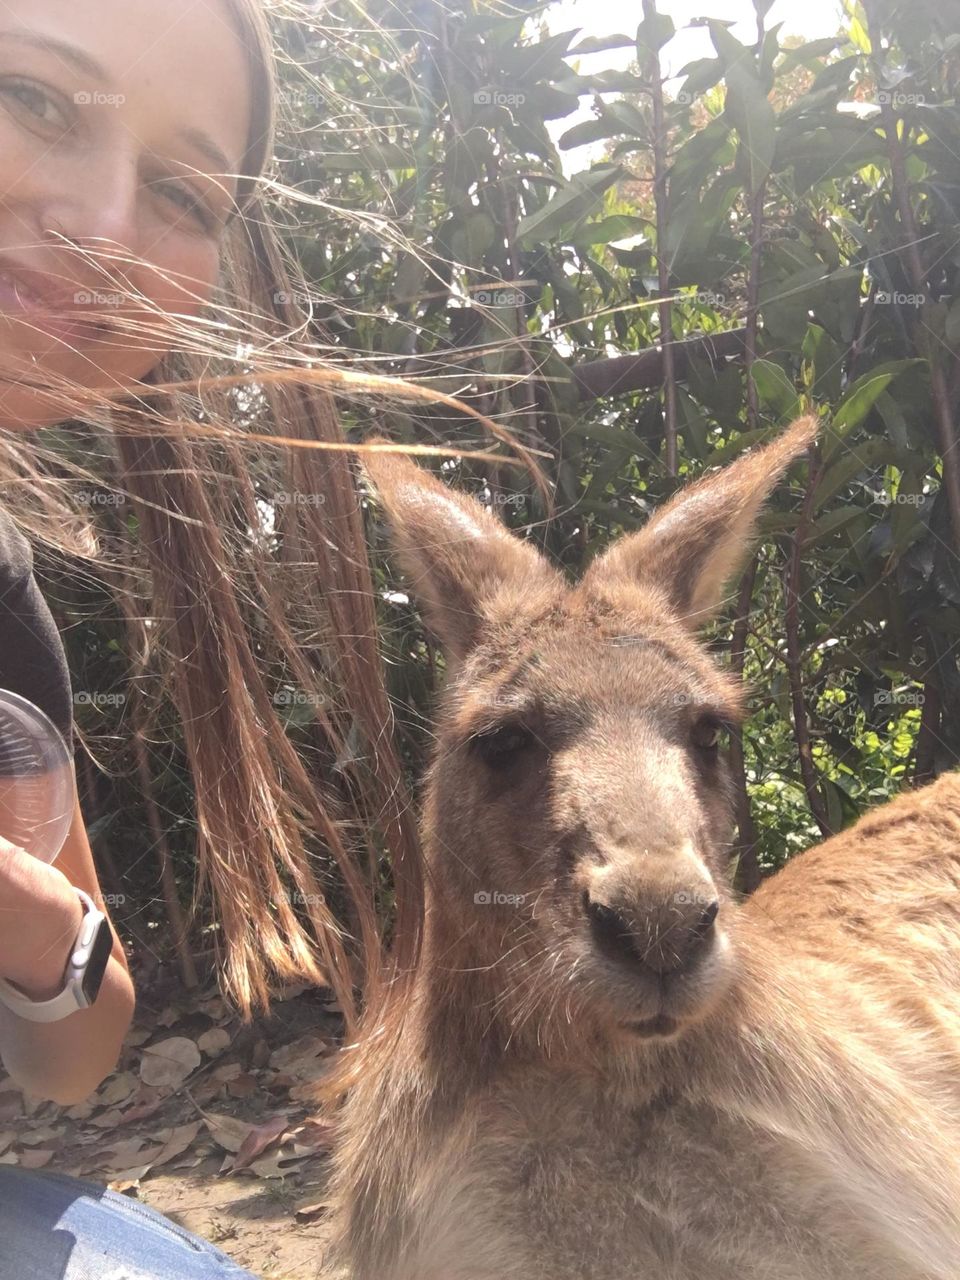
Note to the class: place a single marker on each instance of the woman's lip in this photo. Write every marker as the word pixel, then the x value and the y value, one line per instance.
pixel 58 318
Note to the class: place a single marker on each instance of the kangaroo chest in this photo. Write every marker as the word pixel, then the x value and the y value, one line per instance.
pixel 565 1186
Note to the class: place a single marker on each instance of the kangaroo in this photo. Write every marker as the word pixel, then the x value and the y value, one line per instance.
pixel 603 1066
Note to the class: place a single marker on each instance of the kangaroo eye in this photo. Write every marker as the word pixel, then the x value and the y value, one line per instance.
pixel 708 733
pixel 502 747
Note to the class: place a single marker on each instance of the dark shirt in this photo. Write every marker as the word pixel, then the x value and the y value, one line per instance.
pixel 32 659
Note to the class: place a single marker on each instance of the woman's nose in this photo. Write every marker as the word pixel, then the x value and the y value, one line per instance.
pixel 101 215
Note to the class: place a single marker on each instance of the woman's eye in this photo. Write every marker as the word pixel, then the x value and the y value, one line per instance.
pixel 27 96
pixel 187 201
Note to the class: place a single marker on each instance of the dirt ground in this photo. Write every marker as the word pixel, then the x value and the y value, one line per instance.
pixel 253 1222
pixel 207 1120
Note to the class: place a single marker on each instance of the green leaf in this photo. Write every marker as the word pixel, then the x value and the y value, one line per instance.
pixel 746 106
pixel 693 425
pixel 804 54
pixel 823 364
pixel 600 44
pixel 618 226
pixel 523 64
pixel 597 130
pixel 628 119
pixel 834 802
pixel 893 420
pixel 474 238
pixel 775 389
pixel 653 34
pixel 700 76
pixel 862 395
pixel 612 437
pixel 830 523
pixel 867 456
pixel 571 205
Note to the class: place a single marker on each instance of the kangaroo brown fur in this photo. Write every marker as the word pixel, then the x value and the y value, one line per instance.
pixel 604 1067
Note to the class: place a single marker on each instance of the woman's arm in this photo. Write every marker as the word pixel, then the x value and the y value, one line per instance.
pixel 40 916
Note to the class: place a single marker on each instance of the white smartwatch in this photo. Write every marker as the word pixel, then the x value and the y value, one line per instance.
pixel 84 974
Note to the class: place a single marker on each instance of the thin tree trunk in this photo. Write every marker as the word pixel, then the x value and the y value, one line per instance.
pixel 748 866
pixel 665 307
pixel 801 727
pixel 753 303
pixel 920 329
pixel 647 369
pixel 176 916
pixel 103 854
pixel 161 847
pixel 924 765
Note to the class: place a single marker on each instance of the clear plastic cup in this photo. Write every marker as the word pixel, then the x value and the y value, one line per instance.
pixel 37 788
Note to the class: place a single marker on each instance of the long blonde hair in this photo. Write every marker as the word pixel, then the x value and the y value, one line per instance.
pixel 291 848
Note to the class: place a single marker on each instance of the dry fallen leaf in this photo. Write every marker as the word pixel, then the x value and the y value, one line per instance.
pixel 227 1072
pixel 125 1183
pixel 180 1140
pixel 258 1139
pixel 302 1058
pixel 108 1119
pixel 40 1134
pixel 214 1008
pixel 82 1111
pixel 277 1164
pixel 242 1086
pixel 307 1212
pixel 36 1158
pixel 214 1041
pixel 313 1136
pixel 117 1089
pixel 141 1110
pixel 227 1131
pixel 166 1065
pixel 118 1155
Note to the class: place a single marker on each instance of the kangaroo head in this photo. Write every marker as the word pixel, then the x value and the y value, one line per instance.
pixel 578 812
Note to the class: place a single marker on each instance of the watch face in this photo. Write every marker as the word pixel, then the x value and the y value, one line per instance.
pixel 100 953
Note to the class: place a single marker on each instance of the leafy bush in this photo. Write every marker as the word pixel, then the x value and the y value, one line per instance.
pixel 786 219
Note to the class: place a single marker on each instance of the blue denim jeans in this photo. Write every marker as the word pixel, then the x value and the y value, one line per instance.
pixel 58 1228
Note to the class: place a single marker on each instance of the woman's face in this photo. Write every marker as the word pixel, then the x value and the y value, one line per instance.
pixel 118 122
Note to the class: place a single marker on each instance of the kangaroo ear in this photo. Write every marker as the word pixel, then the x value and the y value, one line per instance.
pixel 691 549
pixel 455 553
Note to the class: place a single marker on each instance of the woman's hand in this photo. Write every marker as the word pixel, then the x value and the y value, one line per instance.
pixel 40 917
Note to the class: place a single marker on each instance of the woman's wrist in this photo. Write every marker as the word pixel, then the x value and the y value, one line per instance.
pixel 47 975
pixel 48 911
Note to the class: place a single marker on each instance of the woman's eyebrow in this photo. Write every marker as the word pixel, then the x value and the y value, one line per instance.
pixel 68 52
pixel 89 66
pixel 203 142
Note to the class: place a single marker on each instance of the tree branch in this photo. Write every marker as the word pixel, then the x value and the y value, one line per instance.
pixel 665 307
pixel 748 867
pixel 921 332
pixel 646 370
pixel 801 727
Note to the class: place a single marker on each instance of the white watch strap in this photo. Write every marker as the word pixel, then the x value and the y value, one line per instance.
pixel 71 998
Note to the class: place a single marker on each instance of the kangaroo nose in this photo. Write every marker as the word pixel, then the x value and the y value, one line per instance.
pixel 665 938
